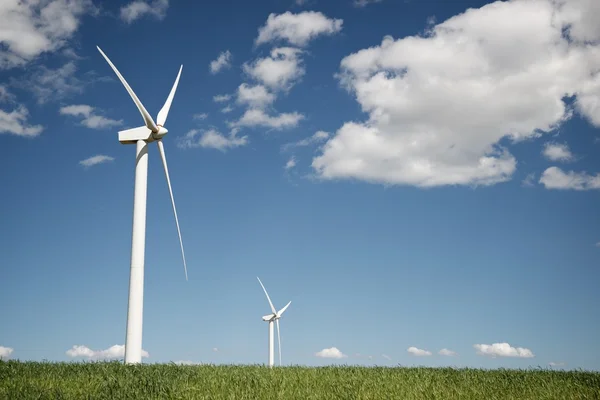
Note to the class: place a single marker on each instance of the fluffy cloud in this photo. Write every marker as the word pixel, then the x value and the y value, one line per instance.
pixel 529 180
pixel 557 152
pixel 556 364
pixel 201 116
pixel 116 351
pixel 90 119
pixel 446 352
pixel 211 138
pixel 438 119
pixel 95 160
pixel 5 352
pixel 222 62
pixel 332 352
pixel 319 136
pixel 556 178
pixel 281 70
pixel 257 117
pixel 256 96
pixel 418 352
pixel 297 29
pixel 227 109
pixel 502 350
pixel 5 95
pixel 15 123
pixel 30 28
pixel 137 9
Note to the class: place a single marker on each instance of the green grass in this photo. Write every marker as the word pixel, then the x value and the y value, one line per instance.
pixel 113 380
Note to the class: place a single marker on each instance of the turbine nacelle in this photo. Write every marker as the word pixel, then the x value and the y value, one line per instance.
pixel 162 131
pixel 268 317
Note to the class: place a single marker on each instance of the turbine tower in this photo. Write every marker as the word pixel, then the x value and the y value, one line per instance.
pixel 270 318
pixel 141 136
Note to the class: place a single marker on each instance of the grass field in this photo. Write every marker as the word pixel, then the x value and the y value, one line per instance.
pixel 113 380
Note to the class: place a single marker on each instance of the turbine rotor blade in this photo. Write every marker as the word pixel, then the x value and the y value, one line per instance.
pixel 147 118
pixel 164 162
pixel 280 312
pixel 161 118
pixel 279 340
pixel 268 298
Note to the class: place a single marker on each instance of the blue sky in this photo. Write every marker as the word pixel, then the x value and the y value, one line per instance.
pixel 413 176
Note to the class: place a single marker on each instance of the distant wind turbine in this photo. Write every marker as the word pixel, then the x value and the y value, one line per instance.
pixel 141 136
pixel 270 318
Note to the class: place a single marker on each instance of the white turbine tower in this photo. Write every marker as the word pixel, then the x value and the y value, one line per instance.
pixel 270 318
pixel 141 136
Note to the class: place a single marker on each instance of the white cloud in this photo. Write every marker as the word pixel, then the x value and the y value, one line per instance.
pixel 5 352
pixel 137 9
pixel 222 62
pixel 418 352
pixel 281 70
pixel 30 28
pixel 15 123
pixel 331 352
pixel 256 96
pixel 291 163
pixel 556 364
pixel 557 152
pixel 297 29
pixel 211 138
pixel 437 119
pixel 446 352
pixel 257 117
pixel 319 136
pixel 95 160
pixel 386 357
pixel 90 119
pixel 221 98
pixel 363 3
pixel 502 350
pixel 201 116
pixel 556 178
pixel 116 351
pixel 215 349
pixel 227 109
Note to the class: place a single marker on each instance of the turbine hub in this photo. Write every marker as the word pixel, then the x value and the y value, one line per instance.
pixel 162 131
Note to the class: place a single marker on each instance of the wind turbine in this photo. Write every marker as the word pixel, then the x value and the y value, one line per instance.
pixel 270 318
pixel 141 136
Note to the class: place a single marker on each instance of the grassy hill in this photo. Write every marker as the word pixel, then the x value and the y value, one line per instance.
pixel 113 380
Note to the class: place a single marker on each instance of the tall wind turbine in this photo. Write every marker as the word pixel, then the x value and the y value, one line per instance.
pixel 270 318
pixel 141 136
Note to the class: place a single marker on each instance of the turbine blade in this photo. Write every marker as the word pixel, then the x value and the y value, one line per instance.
pixel 268 298
pixel 161 118
pixel 279 340
pixel 147 118
pixel 164 161
pixel 280 312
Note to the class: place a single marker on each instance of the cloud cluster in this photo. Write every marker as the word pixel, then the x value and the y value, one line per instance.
pixel 139 8
pixel 502 350
pixel 268 77
pixel 30 28
pixel 89 118
pixel 557 152
pixel 15 123
pixel 556 178
pixel 435 118
pixel 113 352
pixel 447 353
